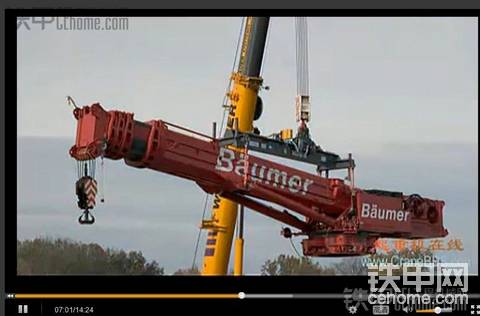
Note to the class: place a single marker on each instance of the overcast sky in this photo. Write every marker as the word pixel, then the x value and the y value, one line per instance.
pixel 398 88
pixel 372 80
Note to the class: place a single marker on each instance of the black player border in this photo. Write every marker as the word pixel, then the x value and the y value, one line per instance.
pixel 161 284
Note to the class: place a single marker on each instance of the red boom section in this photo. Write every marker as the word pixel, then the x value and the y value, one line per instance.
pixel 335 218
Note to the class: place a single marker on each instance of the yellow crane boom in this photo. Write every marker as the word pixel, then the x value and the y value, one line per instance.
pixel 244 102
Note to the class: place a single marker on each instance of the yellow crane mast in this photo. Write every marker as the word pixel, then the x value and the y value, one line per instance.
pixel 244 106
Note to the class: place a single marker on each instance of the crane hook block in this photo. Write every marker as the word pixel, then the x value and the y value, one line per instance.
pixel 86 189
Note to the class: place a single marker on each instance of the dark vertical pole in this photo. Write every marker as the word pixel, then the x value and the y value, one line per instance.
pixel 240 224
pixel 214 130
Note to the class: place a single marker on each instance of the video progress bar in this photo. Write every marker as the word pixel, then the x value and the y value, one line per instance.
pixel 240 295
pixel 125 296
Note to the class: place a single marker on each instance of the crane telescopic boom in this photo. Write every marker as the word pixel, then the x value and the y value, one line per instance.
pixel 336 222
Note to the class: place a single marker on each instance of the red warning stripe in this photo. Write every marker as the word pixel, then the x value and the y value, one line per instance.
pixel 91 185
pixel 91 192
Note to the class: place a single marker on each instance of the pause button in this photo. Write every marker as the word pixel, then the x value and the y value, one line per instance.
pixel 23 309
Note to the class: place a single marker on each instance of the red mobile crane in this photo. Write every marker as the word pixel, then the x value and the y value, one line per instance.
pixel 337 218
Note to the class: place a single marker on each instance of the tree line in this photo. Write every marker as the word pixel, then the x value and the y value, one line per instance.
pixel 45 256
pixel 64 256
